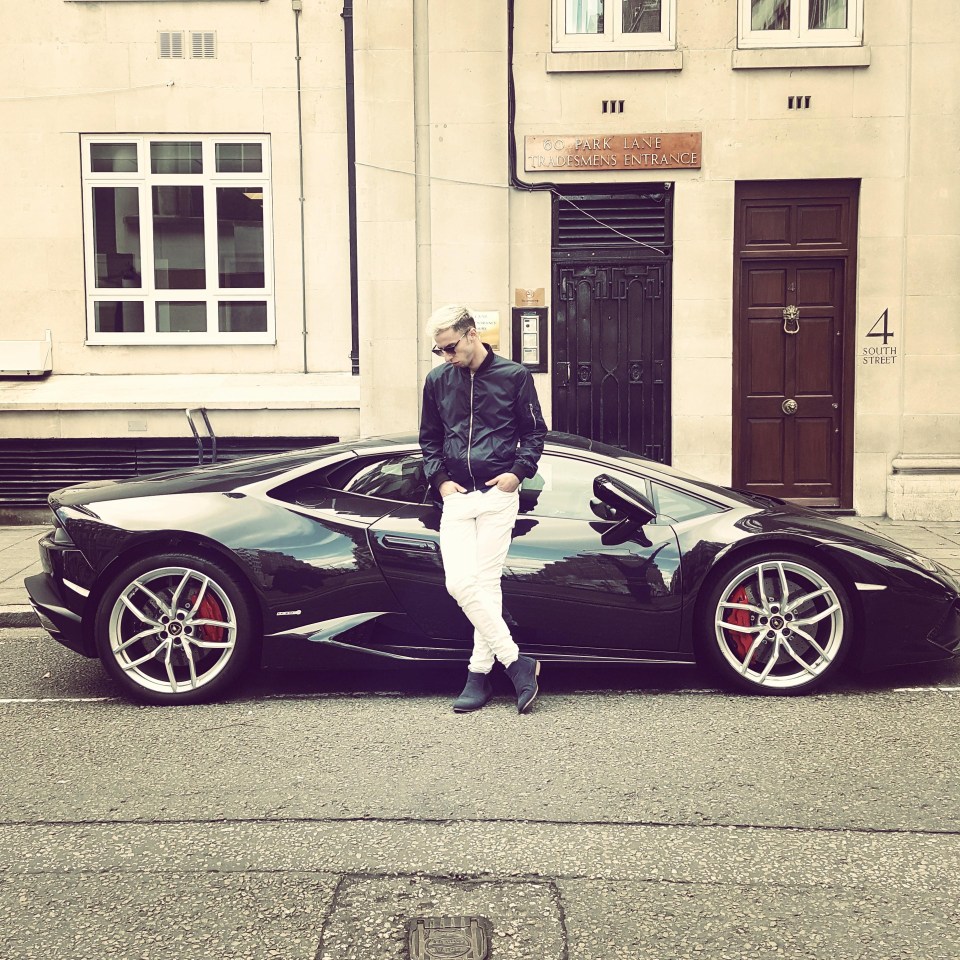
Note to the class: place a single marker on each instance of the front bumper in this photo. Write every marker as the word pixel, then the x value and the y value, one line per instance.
pixel 62 623
pixel 946 634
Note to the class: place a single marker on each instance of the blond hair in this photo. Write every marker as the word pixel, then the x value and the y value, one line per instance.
pixel 453 316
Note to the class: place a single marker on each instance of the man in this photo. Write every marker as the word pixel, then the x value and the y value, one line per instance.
pixel 481 431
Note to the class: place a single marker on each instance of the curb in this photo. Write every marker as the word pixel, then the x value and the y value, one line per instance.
pixel 18 615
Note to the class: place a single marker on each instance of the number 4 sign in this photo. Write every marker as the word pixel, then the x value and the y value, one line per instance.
pixel 886 333
pixel 885 354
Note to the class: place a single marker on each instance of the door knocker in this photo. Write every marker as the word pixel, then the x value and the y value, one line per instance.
pixel 789 407
pixel 791 319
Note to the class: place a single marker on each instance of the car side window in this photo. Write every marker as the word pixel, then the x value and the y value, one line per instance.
pixel 392 478
pixel 674 506
pixel 563 487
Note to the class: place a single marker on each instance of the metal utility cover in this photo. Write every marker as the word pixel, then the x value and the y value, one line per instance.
pixel 449 938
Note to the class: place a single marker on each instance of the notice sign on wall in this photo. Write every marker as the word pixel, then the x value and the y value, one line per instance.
pixel 619 151
pixel 488 326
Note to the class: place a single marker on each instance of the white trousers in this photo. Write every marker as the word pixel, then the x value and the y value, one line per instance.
pixel 475 533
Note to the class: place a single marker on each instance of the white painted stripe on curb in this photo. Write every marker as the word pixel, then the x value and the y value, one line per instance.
pixel 57 699
pixel 926 689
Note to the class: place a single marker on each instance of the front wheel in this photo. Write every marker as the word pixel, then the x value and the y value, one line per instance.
pixel 778 623
pixel 175 629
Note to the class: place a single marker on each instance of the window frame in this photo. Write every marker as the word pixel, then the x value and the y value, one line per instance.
pixel 798 35
pixel 613 39
pixel 212 294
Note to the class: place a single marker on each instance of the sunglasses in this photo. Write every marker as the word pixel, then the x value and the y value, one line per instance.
pixel 450 349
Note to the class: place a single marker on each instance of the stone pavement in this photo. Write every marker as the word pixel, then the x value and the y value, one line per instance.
pixel 19 558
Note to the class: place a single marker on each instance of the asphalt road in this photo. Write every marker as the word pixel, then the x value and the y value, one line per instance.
pixel 634 814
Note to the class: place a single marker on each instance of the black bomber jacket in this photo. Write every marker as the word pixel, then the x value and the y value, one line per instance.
pixel 474 426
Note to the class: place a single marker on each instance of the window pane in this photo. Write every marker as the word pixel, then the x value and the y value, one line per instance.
pixel 563 487
pixel 239 157
pixel 240 236
pixel 642 16
pixel 584 16
pixel 676 506
pixel 179 261
pixel 116 236
pixel 399 478
pixel 770 15
pixel 118 316
pixel 243 316
pixel 113 157
pixel 828 15
pixel 182 317
pixel 176 157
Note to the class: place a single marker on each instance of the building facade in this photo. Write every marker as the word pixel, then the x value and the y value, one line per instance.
pixel 723 234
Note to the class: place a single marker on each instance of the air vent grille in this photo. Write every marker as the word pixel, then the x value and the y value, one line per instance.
pixel 203 44
pixel 591 220
pixel 32 469
pixel 170 44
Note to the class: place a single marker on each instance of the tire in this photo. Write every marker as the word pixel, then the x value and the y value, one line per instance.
pixel 175 628
pixel 778 623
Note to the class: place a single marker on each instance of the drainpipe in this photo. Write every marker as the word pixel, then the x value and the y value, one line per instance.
pixel 297 6
pixel 421 124
pixel 347 16
pixel 512 177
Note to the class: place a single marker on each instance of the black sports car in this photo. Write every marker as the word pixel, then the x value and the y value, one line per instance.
pixel 181 581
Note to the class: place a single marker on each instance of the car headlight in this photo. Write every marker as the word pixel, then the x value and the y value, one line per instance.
pixel 951 578
pixel 938 569
pixel 923 563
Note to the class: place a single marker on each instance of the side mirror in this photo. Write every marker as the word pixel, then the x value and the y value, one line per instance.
pixel 635 506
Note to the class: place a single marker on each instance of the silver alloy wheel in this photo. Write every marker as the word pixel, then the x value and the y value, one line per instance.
pixel 172 629
pixel 779 624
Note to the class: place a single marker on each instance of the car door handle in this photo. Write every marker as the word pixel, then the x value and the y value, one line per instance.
pixel 408 543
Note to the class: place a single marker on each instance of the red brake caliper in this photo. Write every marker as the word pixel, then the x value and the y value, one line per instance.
pixel 209 610
pixel 740 618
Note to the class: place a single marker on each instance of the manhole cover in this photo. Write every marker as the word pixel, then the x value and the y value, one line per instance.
pixel 448 938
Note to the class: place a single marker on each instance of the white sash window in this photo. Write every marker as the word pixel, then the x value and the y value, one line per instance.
pixel 614 25
pixel 800 23
pixel 178 240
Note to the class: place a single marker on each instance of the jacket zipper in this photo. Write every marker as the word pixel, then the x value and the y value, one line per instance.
pixel 470 434
pixel 533 416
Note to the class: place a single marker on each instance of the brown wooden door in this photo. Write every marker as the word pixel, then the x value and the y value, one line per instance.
pixel 795 245
pixel 791 383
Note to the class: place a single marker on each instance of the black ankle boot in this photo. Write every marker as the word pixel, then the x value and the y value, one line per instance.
pixel 476 693
pixel 523 672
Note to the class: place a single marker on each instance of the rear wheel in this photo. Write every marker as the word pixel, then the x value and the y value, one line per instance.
pixel 175 629
pixel 778 623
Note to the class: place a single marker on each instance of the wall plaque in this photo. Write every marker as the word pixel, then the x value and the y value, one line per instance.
pixel 529 297
pixel 618 151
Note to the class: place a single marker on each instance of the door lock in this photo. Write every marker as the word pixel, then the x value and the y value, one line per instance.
pixel 789 407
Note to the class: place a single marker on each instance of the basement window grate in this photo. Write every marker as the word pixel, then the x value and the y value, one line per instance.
pixel 32 469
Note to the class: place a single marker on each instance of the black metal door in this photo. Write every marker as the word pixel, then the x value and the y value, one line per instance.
pixel 611 353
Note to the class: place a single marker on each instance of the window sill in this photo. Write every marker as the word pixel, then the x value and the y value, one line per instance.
pixel 181 340
pixel 608 61
pixel 142 1
pixel 800 58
